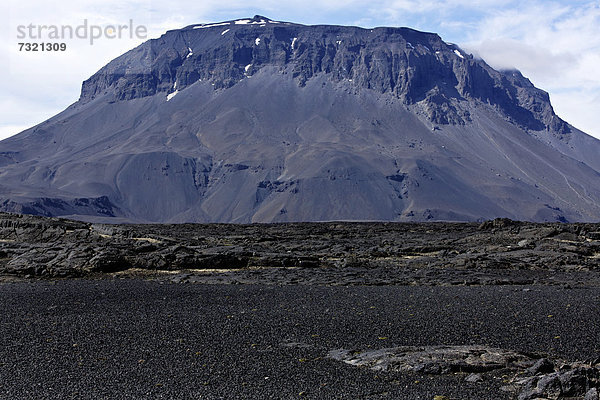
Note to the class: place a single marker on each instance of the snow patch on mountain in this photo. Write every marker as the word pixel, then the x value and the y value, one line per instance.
pixel 171 95
pixel 210 25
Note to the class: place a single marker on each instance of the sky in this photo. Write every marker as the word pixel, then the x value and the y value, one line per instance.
pixel 556 44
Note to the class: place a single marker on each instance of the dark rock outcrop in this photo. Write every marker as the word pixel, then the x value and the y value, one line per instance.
pixel 573 380
pixel 307 253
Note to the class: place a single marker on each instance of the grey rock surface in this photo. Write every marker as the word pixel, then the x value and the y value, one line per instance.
pixel 435 360
pixel 592 394
pixel 264 121
pixel 542 366
pixel 573 380
pixel 474 378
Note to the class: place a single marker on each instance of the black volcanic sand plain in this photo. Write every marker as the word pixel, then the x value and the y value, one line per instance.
pixel 496 310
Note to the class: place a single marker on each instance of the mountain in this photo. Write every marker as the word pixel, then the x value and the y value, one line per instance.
pixel 255 120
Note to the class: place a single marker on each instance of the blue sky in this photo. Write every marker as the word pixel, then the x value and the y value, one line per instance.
pixel 554 43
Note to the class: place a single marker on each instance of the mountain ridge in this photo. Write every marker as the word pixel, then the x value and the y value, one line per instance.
pixel 182 66
pixel 254 120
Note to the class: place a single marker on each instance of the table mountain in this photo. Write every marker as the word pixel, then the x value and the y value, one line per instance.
pixel 255 120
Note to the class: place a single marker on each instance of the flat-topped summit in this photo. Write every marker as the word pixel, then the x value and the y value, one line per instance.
pixel 416 67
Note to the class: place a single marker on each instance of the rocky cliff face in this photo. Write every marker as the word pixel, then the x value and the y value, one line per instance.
pixel 418 68
pixel 256 120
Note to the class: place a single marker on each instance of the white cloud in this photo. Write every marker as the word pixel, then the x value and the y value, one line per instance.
pixel 580 106
pixel 510 53
pixel 557 46
pixel 41 84
pixel 10 130
pixel 24 110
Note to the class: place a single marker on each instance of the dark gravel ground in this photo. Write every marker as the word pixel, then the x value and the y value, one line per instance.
pixel 134 339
